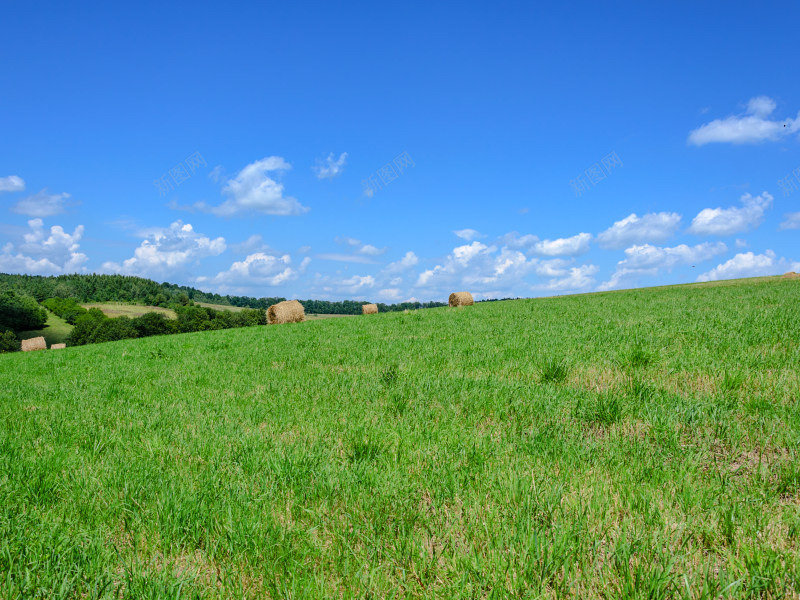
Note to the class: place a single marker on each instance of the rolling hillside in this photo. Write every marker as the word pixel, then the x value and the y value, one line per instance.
pixel 625 444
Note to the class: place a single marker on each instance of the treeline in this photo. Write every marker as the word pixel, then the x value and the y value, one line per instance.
pixel 93 326
pixel 18 313
pixel 125 288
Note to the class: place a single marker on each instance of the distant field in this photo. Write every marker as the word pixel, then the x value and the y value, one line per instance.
pixel 55 331
pixel 636 444
pixel 309 317
pixel 221 306
pixel 119 309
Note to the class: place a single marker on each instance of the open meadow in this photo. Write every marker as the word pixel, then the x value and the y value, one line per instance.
pixel 635 444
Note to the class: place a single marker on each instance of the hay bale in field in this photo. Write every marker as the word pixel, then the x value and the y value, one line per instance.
pixel 288 311
pixel 461 299
pixel 369 309
pixel 57 346
pixel 36 343
pixel 791 275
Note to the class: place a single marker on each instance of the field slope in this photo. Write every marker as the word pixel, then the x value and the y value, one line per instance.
pixel 617 445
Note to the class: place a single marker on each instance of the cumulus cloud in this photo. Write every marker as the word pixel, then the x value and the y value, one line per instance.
pixel 44 252
pixel 791 221
pixel 648 260
pixel 330 167
pixel 728 221
pixel 750 127
pixel 12 183
pixel 571 246
pixel 41 204
pixel 489 270
pixel 258 269
pixel 354 287
pixel 650 228
pixel 254 189
pixel 167 251
pixel 575 279
pixel 409 260
pixel 748 264
pixel 468 234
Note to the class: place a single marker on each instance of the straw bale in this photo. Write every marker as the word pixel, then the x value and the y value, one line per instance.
pixel 369 309
pixel 461 299
pixel 36 343
pixel 288 311
pixel 791 275
pixel 57 346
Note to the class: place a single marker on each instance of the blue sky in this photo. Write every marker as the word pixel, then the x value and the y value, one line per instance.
pixel 387 152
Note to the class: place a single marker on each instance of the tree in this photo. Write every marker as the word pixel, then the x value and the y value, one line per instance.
pixel 21 313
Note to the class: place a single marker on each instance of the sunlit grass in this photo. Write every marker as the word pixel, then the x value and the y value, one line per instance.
pixel 618 445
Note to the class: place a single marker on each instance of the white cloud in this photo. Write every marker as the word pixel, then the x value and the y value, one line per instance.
pixel 648 260
pixel 576 279
pixel 347 241
pixel 167 251
pixel 255 243
pixel 371 250
pixel 354 287
pixel 12 183
pixel 728 221
pixel 409 260
pixel 748 264
pixel 652 227
pixel 750 127
pixel 258 269
pixel 741 243
pixel 468 234
pixel 41 204
pixel 792 221
pixel 330 168
pixel 489 271
pixel 571 246
pixel 391 294
pixel 53 251
pixel 252 190
pixel 351 258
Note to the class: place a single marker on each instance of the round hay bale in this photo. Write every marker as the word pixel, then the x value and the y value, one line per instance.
pixel 791 275
pixel 461 299
pixel 369 309
pixel 58 346
pixel 36 343
pixel 288 311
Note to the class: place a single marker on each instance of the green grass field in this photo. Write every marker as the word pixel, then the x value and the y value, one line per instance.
pixel 55 330
pixel 121 309
pixel 638 444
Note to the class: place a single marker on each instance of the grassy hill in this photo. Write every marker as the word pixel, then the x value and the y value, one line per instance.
pixel 628 444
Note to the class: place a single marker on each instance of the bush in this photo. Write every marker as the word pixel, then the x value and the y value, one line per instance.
pixel 85 326
pixel 112 330
pixel 151 323
pixel 21 313
pixel 66 308
pixel 8 342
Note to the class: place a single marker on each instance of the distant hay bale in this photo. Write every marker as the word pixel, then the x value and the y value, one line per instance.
pixel 57 346
pixel 288 311
pixel 791 275
pixel 461 299
pixel 36 343
pixel 369 309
